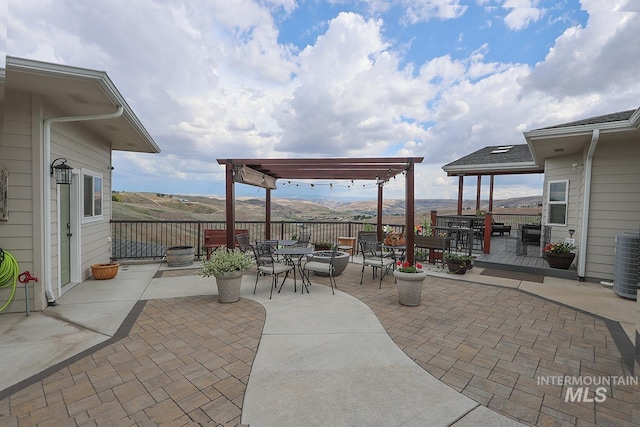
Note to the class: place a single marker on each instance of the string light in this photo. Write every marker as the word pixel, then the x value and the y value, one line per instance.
pixel 348 184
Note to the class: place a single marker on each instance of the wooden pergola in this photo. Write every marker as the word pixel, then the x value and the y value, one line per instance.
pixel 264 172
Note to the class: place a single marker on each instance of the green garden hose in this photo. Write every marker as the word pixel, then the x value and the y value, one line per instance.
pixel 8 275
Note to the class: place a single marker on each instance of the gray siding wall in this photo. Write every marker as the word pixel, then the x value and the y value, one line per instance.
pixel 87 154
pixel 21 154
pixel 615 202
pixel 20 233
pixel 557 169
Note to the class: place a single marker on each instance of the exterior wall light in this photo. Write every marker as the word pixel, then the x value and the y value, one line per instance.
pixel 62 171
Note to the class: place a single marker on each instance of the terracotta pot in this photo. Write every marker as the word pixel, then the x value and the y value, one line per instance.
pixel 409 287
pixel 562 261
pixel 104 271
pixel 229 286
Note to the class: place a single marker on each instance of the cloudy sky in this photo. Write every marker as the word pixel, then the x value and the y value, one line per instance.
pixel 365 78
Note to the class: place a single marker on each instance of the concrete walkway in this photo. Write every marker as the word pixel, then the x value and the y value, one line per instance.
pixel 326 360
pixel 313 359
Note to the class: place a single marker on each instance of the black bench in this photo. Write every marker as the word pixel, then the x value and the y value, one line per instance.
pixel 500 227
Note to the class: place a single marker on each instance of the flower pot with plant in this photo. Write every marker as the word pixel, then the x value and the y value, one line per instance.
pixel 458 263
pixel 409 279
pixel 227 266
pixel 559 254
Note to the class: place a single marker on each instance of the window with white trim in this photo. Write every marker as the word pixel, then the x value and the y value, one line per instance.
pixel 91 195
pixel 557 198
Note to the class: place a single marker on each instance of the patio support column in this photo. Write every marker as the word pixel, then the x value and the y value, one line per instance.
pixel 460 190
pixel 491 180
pixel 379 228
pixel 486 245
pixel 409 213
pixel 479 186
pixel 230 205
pixel 267 215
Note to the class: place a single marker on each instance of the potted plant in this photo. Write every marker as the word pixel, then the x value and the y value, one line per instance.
pixel 559 255
pixel 227 266
pixel 458 263
pixel 409 280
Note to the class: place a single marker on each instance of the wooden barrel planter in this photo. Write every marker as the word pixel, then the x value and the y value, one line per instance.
pixel 180 256
pixel 104 271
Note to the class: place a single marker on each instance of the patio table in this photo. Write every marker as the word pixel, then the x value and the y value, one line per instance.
pixel 289 253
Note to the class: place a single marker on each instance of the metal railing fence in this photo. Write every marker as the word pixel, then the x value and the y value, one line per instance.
pixel 149 239
pixel 142 239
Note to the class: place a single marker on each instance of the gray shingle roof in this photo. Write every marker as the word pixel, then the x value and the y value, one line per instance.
pixel 607 118
pixel 518 154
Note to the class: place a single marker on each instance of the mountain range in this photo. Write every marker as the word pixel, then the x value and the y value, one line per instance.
pixel 155 206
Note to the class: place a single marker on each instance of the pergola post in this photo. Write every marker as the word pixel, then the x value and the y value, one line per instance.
pixel 267 215
pixel 379 227
pixel 409 213
pixel 478 187
pixel 230 207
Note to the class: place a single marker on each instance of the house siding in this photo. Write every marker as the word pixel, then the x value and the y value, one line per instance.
pixel 86 152
pixel 557 169
pixel 21 153
pixel 615 202
pixel 18 234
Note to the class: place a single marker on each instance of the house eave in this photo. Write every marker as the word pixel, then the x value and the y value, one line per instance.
pixel 582 130
pixel 125 133
pixel 493 169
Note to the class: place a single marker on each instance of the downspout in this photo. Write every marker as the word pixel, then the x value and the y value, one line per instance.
pixel 46 184
pixel 582 250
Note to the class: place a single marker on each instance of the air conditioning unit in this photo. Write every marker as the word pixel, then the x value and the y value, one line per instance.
pixel 626 274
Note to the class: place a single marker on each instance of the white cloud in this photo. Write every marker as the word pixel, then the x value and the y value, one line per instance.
pixel 593 60
pixel 521 14
pixel 213 80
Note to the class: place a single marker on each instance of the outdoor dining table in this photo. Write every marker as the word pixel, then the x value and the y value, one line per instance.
pixel 289 253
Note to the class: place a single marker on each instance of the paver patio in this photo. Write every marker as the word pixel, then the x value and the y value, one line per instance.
pixel 186 361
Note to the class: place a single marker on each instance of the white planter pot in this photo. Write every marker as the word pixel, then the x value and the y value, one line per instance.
pixel 229 286
pixel 409 287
